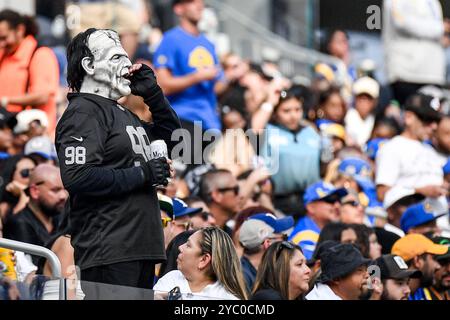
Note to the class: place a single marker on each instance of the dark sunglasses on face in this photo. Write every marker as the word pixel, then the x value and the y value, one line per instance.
pixel 351 203
pixel 234 189
pixel 25 173
pixel 331 200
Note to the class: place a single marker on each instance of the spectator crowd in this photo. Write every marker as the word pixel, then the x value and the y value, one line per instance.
pixel 305 191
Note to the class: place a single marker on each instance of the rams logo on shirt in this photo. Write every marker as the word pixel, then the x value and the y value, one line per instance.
pixel 200 57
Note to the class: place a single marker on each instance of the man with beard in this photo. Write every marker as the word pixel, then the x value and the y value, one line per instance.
pixel 39 220
pixel 395 275
pixel 441 288
pixel 107 164
pixel 419 252
pixel 344 275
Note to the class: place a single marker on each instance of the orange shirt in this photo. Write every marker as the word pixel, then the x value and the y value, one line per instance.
pixel 43 76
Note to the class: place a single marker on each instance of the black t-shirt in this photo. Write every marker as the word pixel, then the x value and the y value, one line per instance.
pixel 101 145
pixel 25 227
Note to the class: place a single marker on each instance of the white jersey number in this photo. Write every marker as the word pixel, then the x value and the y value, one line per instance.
pixel 140 142
pixel 75 155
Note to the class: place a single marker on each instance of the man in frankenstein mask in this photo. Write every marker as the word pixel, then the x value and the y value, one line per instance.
pixel 106 163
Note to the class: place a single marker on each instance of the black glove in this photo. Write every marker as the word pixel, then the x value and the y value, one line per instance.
pixel 144 84
pixel 156 172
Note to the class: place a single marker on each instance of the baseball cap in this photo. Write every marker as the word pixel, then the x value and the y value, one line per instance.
pixel 445 242
pixel 279 225
pixel 413 245
pixel 181 209
pixel 376 210
pixel 165 204
pixel 7 119
pixel 373 146
pixel 334 130
pixel 322 191
pixel 358 169
pixel 394 267
pixel 340 260
pixel 42 146
pixel 253 232
pixel 24 118
pixel 397 194
pixel 424 106
pixel 417 215
pixel 366 85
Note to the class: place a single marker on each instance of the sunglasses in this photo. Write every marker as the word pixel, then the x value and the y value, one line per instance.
pixel 234 189
pixel 175 294
pixel 280 237
pixel 25 173
pixel 186 225
pixel 165 221
pixel 284 245
pixel 351 203
pixel 331 200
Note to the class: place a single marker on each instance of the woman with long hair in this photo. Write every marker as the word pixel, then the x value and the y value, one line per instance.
pixel 14 178
pixel 288 140
pixel 283 273
pixel 208 268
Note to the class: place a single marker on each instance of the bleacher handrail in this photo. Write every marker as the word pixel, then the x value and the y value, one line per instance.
pixel 41 252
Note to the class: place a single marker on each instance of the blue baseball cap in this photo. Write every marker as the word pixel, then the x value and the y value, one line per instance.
pixel 181 209
pixel 358 169
pixel 278 225
pixel 446 167
pixel 417 215
pixel 322 190
pixel 373 146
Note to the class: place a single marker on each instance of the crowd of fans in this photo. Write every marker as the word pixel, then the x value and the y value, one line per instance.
pixel 362 175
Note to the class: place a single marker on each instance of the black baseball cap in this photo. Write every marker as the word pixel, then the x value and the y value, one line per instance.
pixel 339 261
pixel 424 106
pixel 394 267
pixel 443 241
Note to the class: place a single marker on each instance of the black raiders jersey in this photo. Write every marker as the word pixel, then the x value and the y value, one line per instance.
pixel 114 215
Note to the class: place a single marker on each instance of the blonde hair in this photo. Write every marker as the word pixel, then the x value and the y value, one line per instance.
pixel 225 264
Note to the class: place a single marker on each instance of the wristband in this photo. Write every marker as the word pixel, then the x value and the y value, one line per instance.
pixel 267 106
pixel 4 102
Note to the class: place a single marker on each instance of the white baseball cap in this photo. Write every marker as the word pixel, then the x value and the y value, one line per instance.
pixel 24 118
pixel 42 146
pixel 366 85
pixel 395 194
pixel 253 233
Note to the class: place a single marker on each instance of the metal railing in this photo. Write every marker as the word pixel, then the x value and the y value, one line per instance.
pixel 253 38
pixel 41 252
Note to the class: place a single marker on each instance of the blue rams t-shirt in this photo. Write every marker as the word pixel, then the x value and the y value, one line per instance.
pixel 306 234
pixel 294 158
pixel 183 53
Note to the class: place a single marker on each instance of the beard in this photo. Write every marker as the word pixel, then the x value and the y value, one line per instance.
pixel 51 210
pixel 426 280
